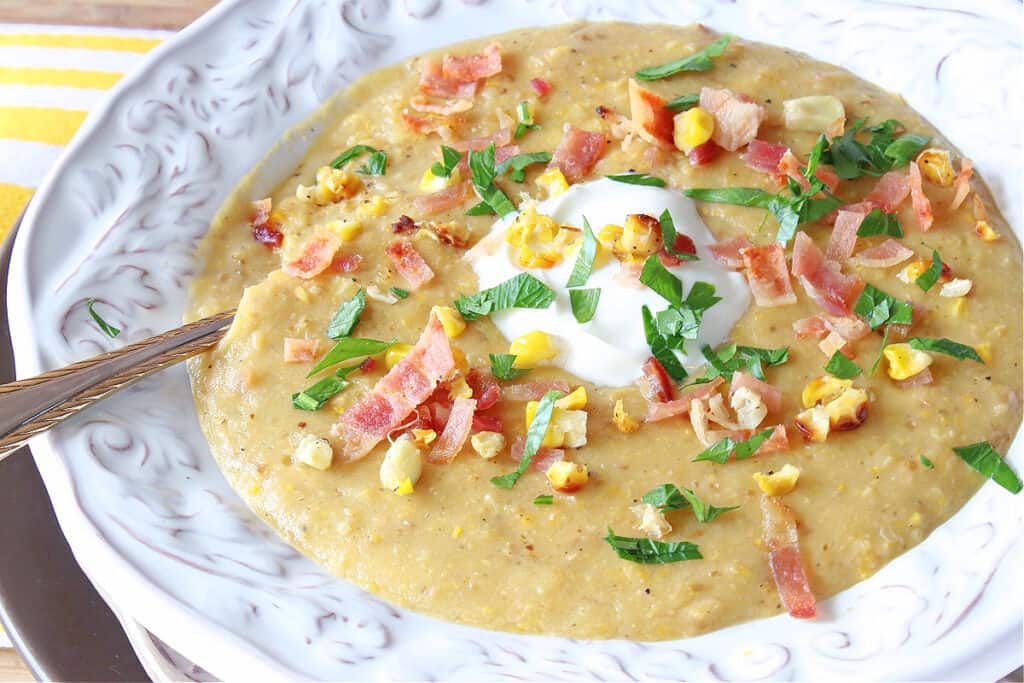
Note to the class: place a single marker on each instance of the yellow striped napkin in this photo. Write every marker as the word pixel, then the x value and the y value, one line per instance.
pixel 50 77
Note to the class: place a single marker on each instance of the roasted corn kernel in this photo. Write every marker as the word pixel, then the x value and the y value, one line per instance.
pixel 487 444
pixel 554 437
pixel 985 231
pixel 823 389
pixel 395 353
pixel 572 425
pixel 692 128
pixel 623 420
pixel 574 400
pixel 641 237
pixel 566 476
pixel 749 407
pixel 347 230
pixel 957 287
pixel 403 462
pixel 314 451
pixel 904 361
pixel 652 522
pixel 532 349
pixel 423 437
pixel 937 166
pixel 848 411
pixel 813 423
pixel 812 113
pixel 451 321
pixel 372 206
pixel 778 483
pixel 553 182
pixel 333 185
pixel 430 183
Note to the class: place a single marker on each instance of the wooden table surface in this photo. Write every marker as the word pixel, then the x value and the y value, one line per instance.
pixel 156 14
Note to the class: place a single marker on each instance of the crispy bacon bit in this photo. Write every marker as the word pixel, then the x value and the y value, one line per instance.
pixel 658 410
pixel 888 253
pixel 919 380
pixel 771 396
pixel 780 535
pixel 368 365
pixel 766 271
pixel 888 193
pixel 543 459
pixel 704 154
pixel 540 86
pixel 534 391
pixel 844 236
pixel 441 108
pixel 922 207
pixel 834 292
pixel 736 120
pixel 447 234
pixel 409 264
pixel 652 120
pixel 682 245
pixel 778 441
pixel 578 153
pixel 456 431
pixel 263 230
pixel 790 165
pixel 404 224
pixel 656 385
pixel 837 333
pixel 485 388
pixel 300 350
pixel 447 198
pixel 727 253
pixel 487 423
pixel 962 183
pixel 317 255
pixel 407 385
pixel 764 156
pixel 345 264
pixel 499 139
pixel 434 82
pixel 425 125
pixel 475 66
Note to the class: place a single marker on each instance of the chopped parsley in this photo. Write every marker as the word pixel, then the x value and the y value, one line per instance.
pixel 106 327
pixel 502 366
pixel 349 348
pixel 584 303
pixel 637 179
pixel 683 102
pixel 698 61
pixel 317 395
pixel 661 346
pixel 656 276
pixel 377 164
pixel 525 119
pixel 883 152
pixel 400 293
pixel 928 278
pixel 649 551
pixel 449 160
pixel 668 497
pixel 521 291
pixel 671 328
pixel 927 463
pixel 982 457
pixel 345 319
pixel 841 367
pixel 668 237
pixel 482 172
pixel 516 165
pixel 946 346
pixel 879 223
pixel 534 436
pixel 731 358
pixel 881 352
pixel 878 308
pixel 584 258
pixel 546 499
pixel 741 450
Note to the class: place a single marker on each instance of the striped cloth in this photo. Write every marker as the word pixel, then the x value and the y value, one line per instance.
pixel 50 77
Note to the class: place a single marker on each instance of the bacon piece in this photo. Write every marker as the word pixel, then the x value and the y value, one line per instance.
pixel 456 431
pixel 766 271
pixel 409 264
pixel 534 391
pixel 404 224
pixel 485 388
pixel 778 441
pixel 445 199
pixel 919 380
pixel 764 156
pixel 962 183
pixel 771 396
pixel 888 253
pixel 300 350
pixel 368 365
pixel 812 327
pixel 922 207
pixel 657 410
pixel 790 165
pixel 425 125
pixel 833 291
pixel 407 385
pixel 844 236
pixel 780 535
pixel 652 120
pixel 837 333
pixel 704 154
pixel 473 67
pixel 889 192
pixel 728 254
pixel 317 255
pixel 736 120
pixel 578 153
pixel 434 82
pixel 442 108
pixel 682 245
pixel 502 137
pixel 656 385
pixel 540 86
pixel 345 264
pixel 543 459
pixel 487 423
pixel 263 230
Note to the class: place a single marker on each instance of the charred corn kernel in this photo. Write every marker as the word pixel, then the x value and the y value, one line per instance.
pixel 985 231
pixel 957 287
pixel 518 234
pixel 641 237
pixel 572 425
pixel 423 437
pixel 487 444
pixel 609 234
pixel 652 522
pixel 554 437
pixel 749 407
pixel 532 349
pixel 912 271
pixel 823 389
pixel 459 388
pixel 451 321
pixel 377 294
pixel 812 113
pixel 314 451
pixel 904 361
pixel 574 400
pixel 405 488
pixel 528 258
pixel 302 294
pixel 985 351
pixel 813 423
pixel 347 230
pixel 395 353
pixel 937 166
pixel 461 364
pixel 373 206
pixel 403 462
pixel 553 182
pixel 778 483
pixel 566 476
pixel 333 185
pixel 848 411
pixel 623 420
pixel 435 183
pixel 692 128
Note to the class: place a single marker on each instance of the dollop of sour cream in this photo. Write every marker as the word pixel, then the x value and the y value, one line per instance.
pixel 610 349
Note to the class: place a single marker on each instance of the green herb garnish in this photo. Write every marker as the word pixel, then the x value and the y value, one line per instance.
pixel 525 119
pixel 317 395
pixel 502 366
pixel 349 348
pixel 656 276
pixel 584 258
pixel 377 164
pixel 741 450
pixel 881 351
pixel 637 179
pixel 546 499
pixel 883 152
pixel 648 551
pixel 879 223
pixel 482 172
pixel 521 291
pixel 400 293
pixel 345 319
pixel 584 303
pixel 698 61
pixel 683 102
pixel 946 346
pixel 534 436
pixel 661 347
pixel 668 497
pixel 927 463
pixel 106 327
pixel 878 308
pixel 841 367
pixel 928 278
pixel 516 166
pixel 449 160
pixel 731 358
pixel 668 237
pixel 982 457
pixel 704 512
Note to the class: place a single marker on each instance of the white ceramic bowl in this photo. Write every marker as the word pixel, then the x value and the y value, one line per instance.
pixel 153 522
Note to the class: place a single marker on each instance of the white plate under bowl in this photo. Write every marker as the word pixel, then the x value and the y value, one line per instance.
pixel 155 525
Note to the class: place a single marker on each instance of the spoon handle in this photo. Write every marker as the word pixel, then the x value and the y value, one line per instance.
pixel 31 406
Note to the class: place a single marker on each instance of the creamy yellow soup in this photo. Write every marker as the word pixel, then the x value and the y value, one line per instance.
pixel 461 549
